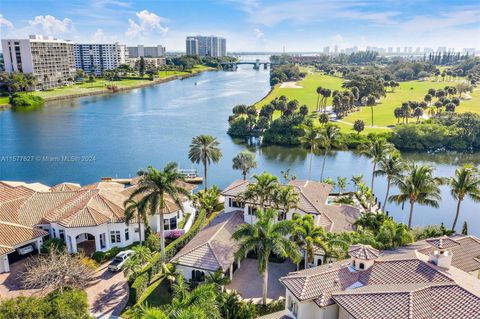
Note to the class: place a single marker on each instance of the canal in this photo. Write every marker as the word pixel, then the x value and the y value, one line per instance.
pixel 84 139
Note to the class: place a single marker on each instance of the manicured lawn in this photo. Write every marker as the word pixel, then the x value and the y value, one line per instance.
pixel 4 100
pixel 159 294
pixel 307 94
pixel 383 112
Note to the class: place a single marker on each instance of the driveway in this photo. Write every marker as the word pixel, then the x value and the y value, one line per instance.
pixel 107 294
pixel 248 282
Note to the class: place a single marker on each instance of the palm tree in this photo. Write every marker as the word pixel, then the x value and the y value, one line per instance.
pixel 311 138
pixel 137 260
pixel 266 237
pixel 286 198
pixel 329 138
pixel 218 279
pixel 209 200
pixel 154 186
pixel 244 161
pixel 418 186
pixel 169 273
pixel 341 184
pixel 466 182
pixel 371 100
pixel 391 166
pixel 204 149
pixel 308 235
pixel 263 189
pixel 134 209
pixel 376 151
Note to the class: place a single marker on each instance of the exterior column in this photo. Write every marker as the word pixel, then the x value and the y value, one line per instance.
pixel 74 245
pixel 231 271
pixel 39 245
pixel 97 242
pixel 238 263
pixel 158 222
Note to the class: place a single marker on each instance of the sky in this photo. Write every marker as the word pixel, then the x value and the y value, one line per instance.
pixel 250 25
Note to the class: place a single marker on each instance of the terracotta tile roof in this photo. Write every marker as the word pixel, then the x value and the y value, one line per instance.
pixel 36 187
pixel 364 252
pixel 8 193
pixel 442 242
pixel 466 255
pixel 213 247
pixel 312 200
pixel 65 187
pixel 412 301
pixel 12 235
pixel 9 210
pixel 5 250
pixel 319 283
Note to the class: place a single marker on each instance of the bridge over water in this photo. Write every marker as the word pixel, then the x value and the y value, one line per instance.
pixel 256 64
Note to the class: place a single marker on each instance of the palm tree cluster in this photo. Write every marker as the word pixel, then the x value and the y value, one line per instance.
pixel 322 103
pixel 326 138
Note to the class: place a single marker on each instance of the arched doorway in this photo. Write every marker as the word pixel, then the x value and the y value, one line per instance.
pixel 86 243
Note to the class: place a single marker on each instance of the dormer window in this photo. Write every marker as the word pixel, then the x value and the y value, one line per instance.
pixel 362 266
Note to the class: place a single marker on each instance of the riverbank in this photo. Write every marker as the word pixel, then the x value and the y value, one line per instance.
pixel 101 86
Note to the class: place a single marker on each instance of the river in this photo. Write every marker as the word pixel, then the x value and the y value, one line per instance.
pixel 120 133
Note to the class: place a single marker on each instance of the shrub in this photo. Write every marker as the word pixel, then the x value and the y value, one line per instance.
pixel 138 287
pixel 52 243
pixel 26 101
pixel 153 242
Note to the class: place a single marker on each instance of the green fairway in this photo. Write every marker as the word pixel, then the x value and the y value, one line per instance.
pixel 383 112
pixel 307 94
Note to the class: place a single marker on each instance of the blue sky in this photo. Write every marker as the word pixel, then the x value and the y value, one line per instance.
pixel 301 25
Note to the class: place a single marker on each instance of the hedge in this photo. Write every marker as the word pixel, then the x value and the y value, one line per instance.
pixel 140 281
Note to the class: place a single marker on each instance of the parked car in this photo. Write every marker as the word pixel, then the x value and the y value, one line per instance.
pixel 25 250
pixel 119 260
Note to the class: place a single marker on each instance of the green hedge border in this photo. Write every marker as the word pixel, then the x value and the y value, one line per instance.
pixel 140 282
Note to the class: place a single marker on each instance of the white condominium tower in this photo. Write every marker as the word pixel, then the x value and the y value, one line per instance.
pixel 206 46
pixel 96 58
pixel 51 61
pixel 146 52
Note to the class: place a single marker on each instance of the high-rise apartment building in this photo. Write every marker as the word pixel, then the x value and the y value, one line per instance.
pixel 146 52
pixel 96 58
pixel 50 60
pixel 206 46
pixel 326 50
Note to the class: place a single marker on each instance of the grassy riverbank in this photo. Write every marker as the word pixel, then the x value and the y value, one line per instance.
pixel 100 85
pixel 383 112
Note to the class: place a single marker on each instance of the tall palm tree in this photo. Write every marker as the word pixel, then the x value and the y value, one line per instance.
pixel 244 161
pixel 154 186
pixel 286 198
pixel 391 166
pixel 417 186
pixel 204 149
pixel 266 237
pixel 376 151
pixel 308 235
pixel 329 138
pixel 466 182
pixel 134 209
pixel 311 138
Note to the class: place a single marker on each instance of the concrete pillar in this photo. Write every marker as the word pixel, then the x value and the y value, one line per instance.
pixel 39 244
pixel 238 263
pixel 231 271
pixel 97 242
pixel 157 217
pixel 74 245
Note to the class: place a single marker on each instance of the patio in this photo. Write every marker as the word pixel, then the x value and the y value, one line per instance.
pixel 247 281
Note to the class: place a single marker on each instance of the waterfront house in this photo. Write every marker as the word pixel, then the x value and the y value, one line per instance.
pixel 213 248
pixel 90 218
pixel 435 278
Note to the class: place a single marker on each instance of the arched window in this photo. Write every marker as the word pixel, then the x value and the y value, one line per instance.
pixel 362 266
pixel 353 263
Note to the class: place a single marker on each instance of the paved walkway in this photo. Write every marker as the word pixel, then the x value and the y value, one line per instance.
pixel 248 282
pixel 108 294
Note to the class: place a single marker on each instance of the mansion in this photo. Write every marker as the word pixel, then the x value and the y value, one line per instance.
pixel 90 218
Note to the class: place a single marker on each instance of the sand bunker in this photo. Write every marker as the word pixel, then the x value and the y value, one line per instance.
pixel 290 85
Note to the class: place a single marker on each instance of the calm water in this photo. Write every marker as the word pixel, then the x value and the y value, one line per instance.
pixel 128 131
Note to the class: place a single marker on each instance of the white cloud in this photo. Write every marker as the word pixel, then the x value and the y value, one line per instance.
pixel 50 25
pixel 5 22
pixel 99 36
pixel 258 33
pixel 147 22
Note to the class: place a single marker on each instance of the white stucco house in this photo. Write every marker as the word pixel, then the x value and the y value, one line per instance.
pixel 89 217
pixel 435 278
pixel 313 200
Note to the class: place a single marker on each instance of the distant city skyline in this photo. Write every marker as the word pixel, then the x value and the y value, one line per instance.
pixel 251 25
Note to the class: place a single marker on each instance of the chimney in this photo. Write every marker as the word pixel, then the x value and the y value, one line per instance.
pixel 441 258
